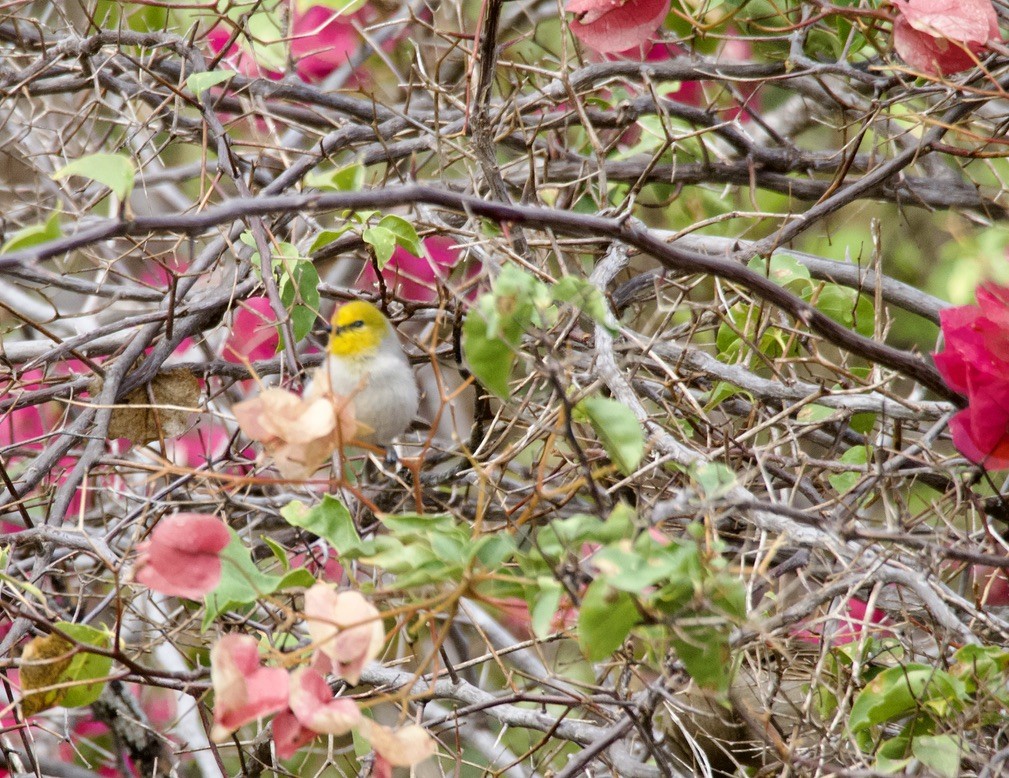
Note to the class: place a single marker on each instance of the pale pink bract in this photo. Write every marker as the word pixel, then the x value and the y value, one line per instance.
pixel 938 37
pixel 182 558
pixel 244 690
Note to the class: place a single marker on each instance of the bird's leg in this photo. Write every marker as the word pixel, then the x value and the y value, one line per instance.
pixel 413 465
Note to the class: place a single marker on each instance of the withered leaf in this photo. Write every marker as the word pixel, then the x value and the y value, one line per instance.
pixel 149 421
pixel 44 661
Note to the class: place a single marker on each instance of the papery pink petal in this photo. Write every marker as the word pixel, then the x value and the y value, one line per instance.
pixel 244 690
pixel 314 706
pixel 251 415
pixel 934 36
pixel 345 627
pixel 928 54
pixel 993 300
pixel 403 747
pixel 182 556
pixel 965 21
pixel 320 605
pixel 975 362
pixel 289 736
pixel 616 25
pixel 300 434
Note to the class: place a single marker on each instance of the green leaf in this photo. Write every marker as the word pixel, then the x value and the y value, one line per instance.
pixel 198 83
pixel 814 414
pixel 298 578
pixel 587 298
pixel 418 524
pixel 85 666
pixel 715 479
pixel 242 582
pixel 740 322
pixel 727 594
pixel 721 392
pixel 383 241
pixel 619 524
pixel 343 179
pixel 940 753
pixel 897 691
pixel 331 521
pixel 563 535
pixel 632 571
pixel 116 171
pixel 398 557
pixel 299 292
pixel 433 572
pixel 892 755
pixel 340 6
pixel 35 234
pixel 494 326
pixel 278 551
pixel 493 550
pixel 618 429
pixel 856 455
pixel 490 359
pixel 406 235
pixel 981 665
pixel 302 321
pixel 326 237
pixel 705 653
pixel 605 619
pixel 784 270
pixel 544 604
pixel 847 307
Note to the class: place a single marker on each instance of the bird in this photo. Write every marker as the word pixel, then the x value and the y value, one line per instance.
pixel 365 362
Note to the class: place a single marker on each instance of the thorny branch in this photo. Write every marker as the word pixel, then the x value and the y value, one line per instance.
pixel 471 125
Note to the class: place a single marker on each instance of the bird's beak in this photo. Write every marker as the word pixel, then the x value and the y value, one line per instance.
pixel 326 326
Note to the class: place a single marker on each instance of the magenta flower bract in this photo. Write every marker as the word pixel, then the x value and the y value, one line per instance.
pixel 321 41
pixel 616 25
pixel 975 363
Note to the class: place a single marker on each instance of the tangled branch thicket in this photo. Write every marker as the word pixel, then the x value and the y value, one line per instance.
pixel 761 210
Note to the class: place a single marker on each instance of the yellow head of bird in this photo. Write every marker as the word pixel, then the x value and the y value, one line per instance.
pixel 358 330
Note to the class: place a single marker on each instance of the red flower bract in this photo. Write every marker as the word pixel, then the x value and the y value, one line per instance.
pixel 975 362
pixel 615 25
pixel 938 36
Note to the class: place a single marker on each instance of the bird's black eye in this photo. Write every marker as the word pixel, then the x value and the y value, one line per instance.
pixel 356 325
